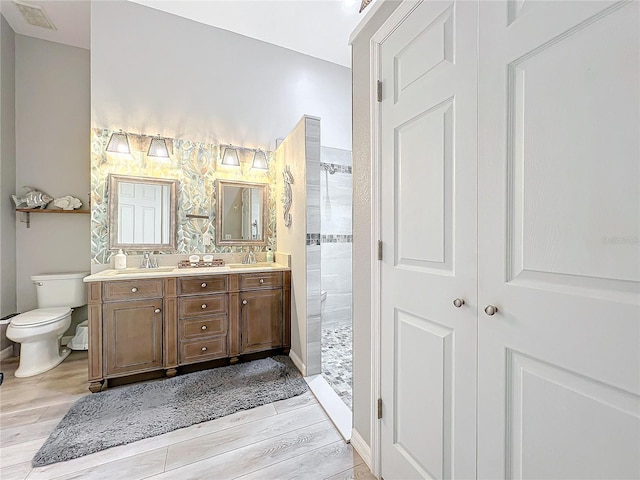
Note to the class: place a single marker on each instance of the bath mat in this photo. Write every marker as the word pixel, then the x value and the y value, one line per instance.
pixel 126 414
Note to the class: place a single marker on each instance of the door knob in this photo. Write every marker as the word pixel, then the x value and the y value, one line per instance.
pixel 134 289
pixel 204 327
pixel 204 349
pixel 204 305
pixel 157 310
pixel 244 302
pixel 203 284
pixel 261 281
pixel 458 302
pixel 490 310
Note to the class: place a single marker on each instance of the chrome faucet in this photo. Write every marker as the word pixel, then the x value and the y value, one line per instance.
pixel 148 261
pixel 250 257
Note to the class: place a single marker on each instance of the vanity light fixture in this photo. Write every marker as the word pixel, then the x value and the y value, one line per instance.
pixel 260 161
pixel 118 143
pixel 230 156
pixel 158 148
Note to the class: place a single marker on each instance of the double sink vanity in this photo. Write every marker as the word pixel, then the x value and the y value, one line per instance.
pixel 160 319
pixel 144 320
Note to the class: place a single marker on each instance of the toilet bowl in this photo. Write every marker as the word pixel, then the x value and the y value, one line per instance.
pixel 39 331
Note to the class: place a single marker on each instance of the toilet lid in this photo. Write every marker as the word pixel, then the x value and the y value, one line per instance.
pixel 40 316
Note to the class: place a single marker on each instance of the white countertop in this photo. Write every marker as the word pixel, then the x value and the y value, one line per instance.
pixel 162 272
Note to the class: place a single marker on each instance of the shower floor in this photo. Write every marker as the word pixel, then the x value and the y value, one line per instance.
pixel 337 367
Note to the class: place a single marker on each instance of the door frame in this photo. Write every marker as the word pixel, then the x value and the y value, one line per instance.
pixel 398 16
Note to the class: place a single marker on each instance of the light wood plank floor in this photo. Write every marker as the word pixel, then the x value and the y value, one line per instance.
pixel 283 440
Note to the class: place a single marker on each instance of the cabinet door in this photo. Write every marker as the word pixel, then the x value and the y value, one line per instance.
pixel 261 320
pixel 133 336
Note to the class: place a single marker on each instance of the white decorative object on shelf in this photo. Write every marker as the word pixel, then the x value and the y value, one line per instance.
pixel 32 199
pixel 67 202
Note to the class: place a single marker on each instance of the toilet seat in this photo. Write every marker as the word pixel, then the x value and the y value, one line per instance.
pixel 40 316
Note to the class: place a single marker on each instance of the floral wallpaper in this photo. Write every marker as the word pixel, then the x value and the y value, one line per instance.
pixel 196 165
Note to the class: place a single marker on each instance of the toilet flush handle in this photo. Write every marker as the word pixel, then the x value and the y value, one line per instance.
pixel 39 284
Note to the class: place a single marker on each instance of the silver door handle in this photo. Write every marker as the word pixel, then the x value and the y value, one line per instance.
pixel 134 289
pixel 204 349
pixel 203 284
pixel 261 281
pixel 157 310
pixel 244 302
pixel 458 302
pixel 490 310
pixel 204 327
pixel 204 305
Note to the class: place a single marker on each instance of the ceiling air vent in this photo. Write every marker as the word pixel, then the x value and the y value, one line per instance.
pixel 35 15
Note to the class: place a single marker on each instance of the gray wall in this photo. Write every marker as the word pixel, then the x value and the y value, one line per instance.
pixel 7 175
pixel 52 152
pixel 362 401
pixel 153 72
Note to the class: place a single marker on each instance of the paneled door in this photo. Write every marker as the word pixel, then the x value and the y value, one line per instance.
pixel 559 212
pixel 428 222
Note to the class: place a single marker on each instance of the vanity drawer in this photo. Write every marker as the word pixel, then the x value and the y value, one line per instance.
pixel 200 350
pixel 252 281
pixel 203 327
pixel 202 305
pixel 202 285
pixel 132 289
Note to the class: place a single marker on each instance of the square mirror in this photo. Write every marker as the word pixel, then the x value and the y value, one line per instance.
pixel 242 216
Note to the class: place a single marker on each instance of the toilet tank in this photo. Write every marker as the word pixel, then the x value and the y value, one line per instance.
pixel 60 289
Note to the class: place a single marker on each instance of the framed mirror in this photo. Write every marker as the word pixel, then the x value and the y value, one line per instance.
pixel 142 213
pixel 242 216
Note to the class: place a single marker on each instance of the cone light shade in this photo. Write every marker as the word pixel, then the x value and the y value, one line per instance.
pixel 260 161
pixel 230 157
pixel 118 143
pixel 158 148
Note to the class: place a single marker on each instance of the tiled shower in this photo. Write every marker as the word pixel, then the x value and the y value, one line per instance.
pixel 336 242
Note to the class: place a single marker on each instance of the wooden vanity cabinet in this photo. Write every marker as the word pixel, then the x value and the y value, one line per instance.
pixel 138 326
pixel 261 311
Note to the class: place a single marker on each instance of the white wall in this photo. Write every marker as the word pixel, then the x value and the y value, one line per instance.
pixel 292 240
pixel 52 154
pixel 153 72
pixel 7 175
pixel 362 401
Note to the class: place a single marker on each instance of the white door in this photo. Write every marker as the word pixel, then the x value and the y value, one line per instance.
pixel 559 212
pixel 140 212
pixel 428 191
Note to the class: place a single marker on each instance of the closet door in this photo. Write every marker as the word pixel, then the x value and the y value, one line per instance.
pixel 559 212
pixel 429 155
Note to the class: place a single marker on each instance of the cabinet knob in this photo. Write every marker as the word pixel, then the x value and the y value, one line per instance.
pixel 204 305
pixel 490 310
pixel 261 281
pixel 157 310
pixel 203 284
pixel 134 289
pixel 204 349
pixel 458 302
pixel 204 327
pixel 244 302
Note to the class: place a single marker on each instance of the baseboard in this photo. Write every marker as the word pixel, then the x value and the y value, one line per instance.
pixel 298 363
pixel 360 446
pixel 6 353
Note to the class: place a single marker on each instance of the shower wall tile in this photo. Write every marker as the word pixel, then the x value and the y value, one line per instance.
pixel 335 155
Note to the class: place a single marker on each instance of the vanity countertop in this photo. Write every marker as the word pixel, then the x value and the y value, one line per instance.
pixel 161 272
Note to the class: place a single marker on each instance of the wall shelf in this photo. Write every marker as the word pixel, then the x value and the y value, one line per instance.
pixel 28 211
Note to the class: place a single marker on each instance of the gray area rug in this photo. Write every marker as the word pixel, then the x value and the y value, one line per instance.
pixel 126 414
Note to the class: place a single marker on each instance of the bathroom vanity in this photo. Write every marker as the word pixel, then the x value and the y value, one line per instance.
pixel 162 319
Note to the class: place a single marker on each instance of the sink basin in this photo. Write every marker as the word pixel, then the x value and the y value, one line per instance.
pixel 251 265
pixel 129 271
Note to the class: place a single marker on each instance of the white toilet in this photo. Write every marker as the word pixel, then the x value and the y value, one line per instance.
pixel 39 331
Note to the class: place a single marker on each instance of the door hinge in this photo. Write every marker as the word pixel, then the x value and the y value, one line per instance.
pixel 379 91
pixel 379 408
pixel 380 250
